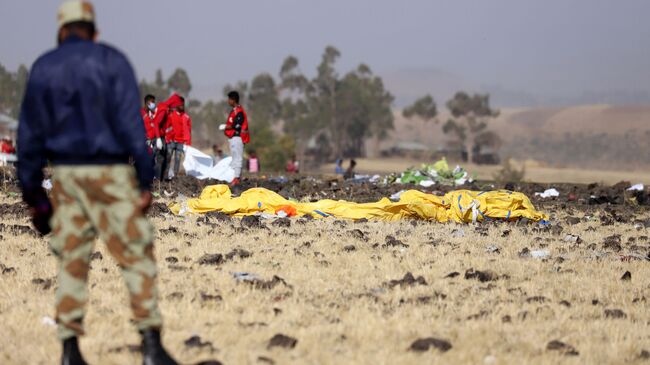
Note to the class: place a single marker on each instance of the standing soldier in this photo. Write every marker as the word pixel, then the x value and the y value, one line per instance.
pixel 80 113
pixel 236 129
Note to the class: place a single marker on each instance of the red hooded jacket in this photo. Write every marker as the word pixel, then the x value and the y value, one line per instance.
pixel 162 111
pixel 179 128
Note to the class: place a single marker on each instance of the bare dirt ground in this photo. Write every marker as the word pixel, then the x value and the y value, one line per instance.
pixel 343 292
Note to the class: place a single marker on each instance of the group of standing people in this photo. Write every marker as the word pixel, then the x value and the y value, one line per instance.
pixel 168 130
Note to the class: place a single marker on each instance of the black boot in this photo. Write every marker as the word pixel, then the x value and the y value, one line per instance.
pixel 71 354
pixel 153 352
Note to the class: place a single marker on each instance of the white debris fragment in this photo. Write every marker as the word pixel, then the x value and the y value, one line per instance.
pixel 540 254
pixel 48 321
pixel 47 184
pixel 397 195
pixel 549 193
pixel 637 187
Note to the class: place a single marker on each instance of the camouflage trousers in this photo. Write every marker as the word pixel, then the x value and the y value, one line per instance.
pixel 101 201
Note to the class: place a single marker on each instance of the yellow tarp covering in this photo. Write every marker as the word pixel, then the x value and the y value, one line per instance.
pixel 459 206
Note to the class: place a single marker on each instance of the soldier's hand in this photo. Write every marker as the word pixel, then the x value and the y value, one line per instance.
pixel 145 201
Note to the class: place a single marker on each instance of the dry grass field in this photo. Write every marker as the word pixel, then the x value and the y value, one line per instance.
pixel 335 295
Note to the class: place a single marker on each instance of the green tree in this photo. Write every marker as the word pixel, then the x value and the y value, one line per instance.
pixel 324 98
pixel 158 88
pixel 364 109
pixel 424 107
pixel 342 112
pixel 179 82
pixel 264 104
pixel 12 89
pixel 470 117
pixel 205 123
pixel 299 120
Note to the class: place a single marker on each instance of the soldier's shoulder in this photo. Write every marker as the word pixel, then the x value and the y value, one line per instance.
pixel 45 59
pixel 111 50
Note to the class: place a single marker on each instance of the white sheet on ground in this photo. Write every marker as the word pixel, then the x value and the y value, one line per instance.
pixel 201 166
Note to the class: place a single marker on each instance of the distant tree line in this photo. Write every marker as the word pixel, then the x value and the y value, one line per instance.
pixel 12 89
pixel 468 124
pixel 319 119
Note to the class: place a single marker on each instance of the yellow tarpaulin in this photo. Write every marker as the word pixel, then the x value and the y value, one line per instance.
pixel 459 206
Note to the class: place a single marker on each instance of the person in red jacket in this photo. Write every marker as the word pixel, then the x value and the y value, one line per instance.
pixel 148 113
pixel 187 127
pixel 177 134
pixel 7 146
pixel 161 121
pixel 156 144
pixel 236 129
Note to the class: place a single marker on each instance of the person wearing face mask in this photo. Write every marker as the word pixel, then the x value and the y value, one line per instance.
pixel 154 141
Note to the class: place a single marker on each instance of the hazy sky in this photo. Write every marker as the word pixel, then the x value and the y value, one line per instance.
pixel 543 47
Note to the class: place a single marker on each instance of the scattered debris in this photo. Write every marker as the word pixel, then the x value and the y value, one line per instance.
pixel 424 344
pixel 482 276
pixel 196 342
pixel 252 221
pixel 452 274
pixel 258 283
pixel 238 252
pixel 48 321
pixel 44 283
pixel 349 248
pixel 407 280
pixel 282 222
pixel 627 276
pixel 572 238
pixel 536 299
pixel 637 187
pixel 615 314
pixel 211 259
pixel 540 254
pixel 280 340
pixel 562 347
pixel 393 242
pixel 205 297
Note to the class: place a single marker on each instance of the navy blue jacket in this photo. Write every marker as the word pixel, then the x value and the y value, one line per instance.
pixel 81 107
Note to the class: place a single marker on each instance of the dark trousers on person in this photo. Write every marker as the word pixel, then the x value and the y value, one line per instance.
pixel 160 162
pixel 159 157
pixel 175 151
